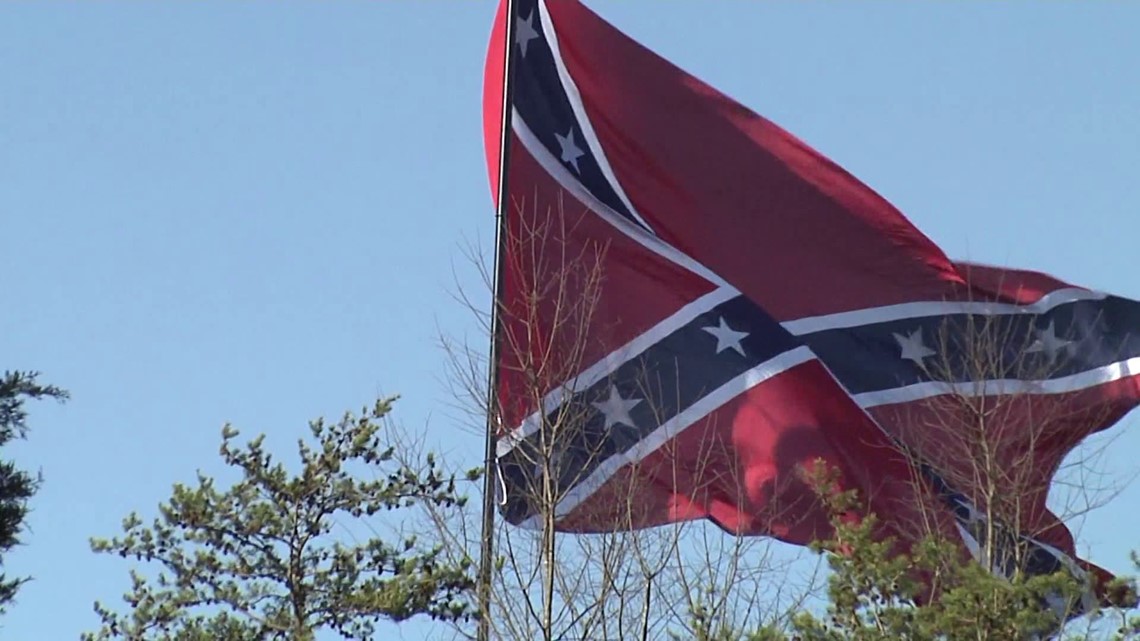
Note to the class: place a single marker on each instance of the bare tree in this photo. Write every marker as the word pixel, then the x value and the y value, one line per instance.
pixel 620 575
pixel 980 435
pixel 988 438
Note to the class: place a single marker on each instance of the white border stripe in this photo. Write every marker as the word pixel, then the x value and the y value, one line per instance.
pixel 612 361
pixel 654 244
pixel 1071 383
pixel 571 184
pixel 575 98
pixel 918 310
pixel 674 426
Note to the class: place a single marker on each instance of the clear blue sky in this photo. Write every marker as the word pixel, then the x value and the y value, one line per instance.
pixel 251 212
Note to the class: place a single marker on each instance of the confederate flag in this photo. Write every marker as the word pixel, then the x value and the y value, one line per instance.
pixel 693 305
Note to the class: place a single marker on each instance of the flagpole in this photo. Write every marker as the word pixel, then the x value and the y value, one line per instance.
pixel 486 548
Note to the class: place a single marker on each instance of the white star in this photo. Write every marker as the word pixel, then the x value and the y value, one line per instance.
pixel 726 337
pixel 570 150
pixel 1048 342
pixel 616 409
pixel 912 346
pixel 524 31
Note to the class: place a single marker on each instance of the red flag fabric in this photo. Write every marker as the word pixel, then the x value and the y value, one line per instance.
pixel 694 304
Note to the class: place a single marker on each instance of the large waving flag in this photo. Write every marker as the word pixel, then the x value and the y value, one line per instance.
pixel 694 304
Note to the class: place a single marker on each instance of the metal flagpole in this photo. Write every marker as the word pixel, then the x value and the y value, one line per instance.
pixel 486 548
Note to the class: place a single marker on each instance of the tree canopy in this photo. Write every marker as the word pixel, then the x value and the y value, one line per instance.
pixel 16 486
pixel 275 555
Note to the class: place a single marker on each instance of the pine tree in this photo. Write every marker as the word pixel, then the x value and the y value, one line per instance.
pixel 268 559
pixel 16 486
